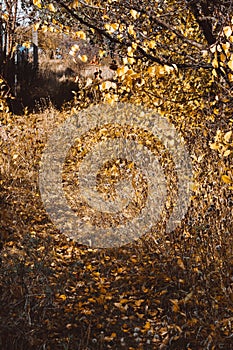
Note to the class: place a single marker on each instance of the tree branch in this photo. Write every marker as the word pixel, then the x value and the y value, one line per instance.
pixel 203 21
pixel 125 43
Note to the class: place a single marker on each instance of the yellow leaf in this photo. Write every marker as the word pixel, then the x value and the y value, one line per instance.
pixel 230 63
pixel 222 57
pixel 230 77
pixel 134 14
pixel 122 70
pixel 124 301
pixel 36 26
pixel 214 73
pixel 80 34
pixel 114 26
pixel 111 28
pixel 215 63
pixel 227 31
pixel 227 153
pixel 106 85
pixel 160 71
pixel 227 136
pixel 175 306
pixel 147 326
pixel 44 28
pixel 75 48
pixel 26 44
pixel 152 44
pixel 213 48
pixel 37 3
pixel 180 263
pixel 83 58
pixel 151 71
pixel 91 300
pixel 131 31
pixel 5 16
pixel 131 60
pixel 226 179
pixel 214 146
pixel 139 302
pixel 226 46
pixel 102 53
pixel 62 296
pixel 51 8
pixel 75 4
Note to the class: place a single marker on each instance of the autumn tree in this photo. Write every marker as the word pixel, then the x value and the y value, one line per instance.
pixel 171 51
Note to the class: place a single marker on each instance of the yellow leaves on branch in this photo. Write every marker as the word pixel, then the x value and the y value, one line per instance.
pixel 224 145
pixel 223 56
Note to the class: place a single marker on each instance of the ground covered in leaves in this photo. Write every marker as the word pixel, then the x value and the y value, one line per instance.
pixel 161 292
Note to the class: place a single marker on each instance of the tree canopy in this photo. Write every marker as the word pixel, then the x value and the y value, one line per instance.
pixel 170 52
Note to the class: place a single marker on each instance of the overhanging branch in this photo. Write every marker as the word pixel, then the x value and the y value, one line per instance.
pixel 125 43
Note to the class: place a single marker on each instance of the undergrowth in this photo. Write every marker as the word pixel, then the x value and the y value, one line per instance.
pixel 164 291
